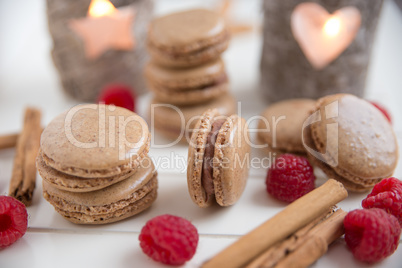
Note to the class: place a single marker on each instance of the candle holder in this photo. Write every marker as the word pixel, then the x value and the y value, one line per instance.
pixel 316 48
pixel 83 76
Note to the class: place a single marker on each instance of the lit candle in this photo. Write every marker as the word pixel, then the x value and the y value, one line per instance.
pixel 105 28
pixel 99 8
pixel 322 36
pixel 332 27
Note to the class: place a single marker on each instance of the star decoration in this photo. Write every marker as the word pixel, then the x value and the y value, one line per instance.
pixel 100 34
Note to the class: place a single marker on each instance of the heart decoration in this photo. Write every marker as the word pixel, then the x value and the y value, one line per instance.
pixel 322 36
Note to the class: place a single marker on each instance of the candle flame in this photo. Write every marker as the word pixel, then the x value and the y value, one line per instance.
pixel 332 26
pixel 99 8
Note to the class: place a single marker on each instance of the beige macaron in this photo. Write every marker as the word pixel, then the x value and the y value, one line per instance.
pixel 177 122
pixel 352 141
pixel 94 164
pixel 71 183
pixel 95 141
pixel 113 203
pixel 281 124
pixel 187 86
pixel 187 38
pixel 218 159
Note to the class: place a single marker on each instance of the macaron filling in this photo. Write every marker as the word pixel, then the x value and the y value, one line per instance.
pixel 207 179
pixel 218 81
pixel 221 79
pixel 199 47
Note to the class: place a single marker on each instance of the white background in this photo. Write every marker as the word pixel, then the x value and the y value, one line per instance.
pixel 27 77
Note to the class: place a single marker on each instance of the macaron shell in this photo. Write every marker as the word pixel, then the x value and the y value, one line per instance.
pixel 71 183
pixel 283 123
pixel 88 150
pixel 350 186
pixel 232 154
pixel 183 79
pixel 166 116
pixel 190 97
pixel 114 203
pixel 110 194
pixel 134 208
pixel 271 152
pixel 186 31
pixel 196 156
pixel 366 146
pixel 192 59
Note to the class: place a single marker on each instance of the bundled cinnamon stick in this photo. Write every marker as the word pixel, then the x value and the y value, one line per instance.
pixel 23 176
pixel 307 210
pixel 305 246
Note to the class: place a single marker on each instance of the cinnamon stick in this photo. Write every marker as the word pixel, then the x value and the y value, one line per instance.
pixel 316 245
pixel 8 141
pixel 295 216
pixel 23 176
pixel 311 250
pixel 277 252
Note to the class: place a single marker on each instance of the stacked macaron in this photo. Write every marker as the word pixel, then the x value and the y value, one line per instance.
pixel 186 73
pixel 94 164
pixel 351 141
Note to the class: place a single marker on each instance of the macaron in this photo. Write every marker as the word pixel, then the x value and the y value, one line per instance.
pixel 177 122
pixel 281 124
pixel 94 164
pixel 113 203
pixel 187 38
pixel 95 141
pixel 71 183
pixel 218 159
pixel 187 86
pixel 352 141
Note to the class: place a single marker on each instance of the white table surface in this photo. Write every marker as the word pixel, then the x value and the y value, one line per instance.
pixel 27 77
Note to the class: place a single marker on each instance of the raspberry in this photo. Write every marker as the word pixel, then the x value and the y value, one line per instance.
pixel 371 234
pixel 290 177
pixel 386 195
pixel 169 239
pixel 383 110
pixel 119 95
pixel 13 220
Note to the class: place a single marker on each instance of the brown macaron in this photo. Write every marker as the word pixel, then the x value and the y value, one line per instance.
pixel 81 142
pixel 281 124
pixel 187 38
pixel 218 159
pixel 71 183
pixel 175 121
pixel 352 141
pixel 113 203
pixel 187 86
pixel 94 164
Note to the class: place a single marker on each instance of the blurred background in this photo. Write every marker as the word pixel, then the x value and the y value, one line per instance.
pixel 27 73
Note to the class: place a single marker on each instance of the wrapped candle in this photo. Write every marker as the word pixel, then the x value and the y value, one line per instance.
pixel 316 48
pixel 92 49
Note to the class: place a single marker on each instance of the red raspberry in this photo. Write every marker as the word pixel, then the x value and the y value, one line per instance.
pixel 290 177
pixel 169 239
pixel 119 95
pixel 383 110
pixel 371 234
pixel 387 195
pixel 13 220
